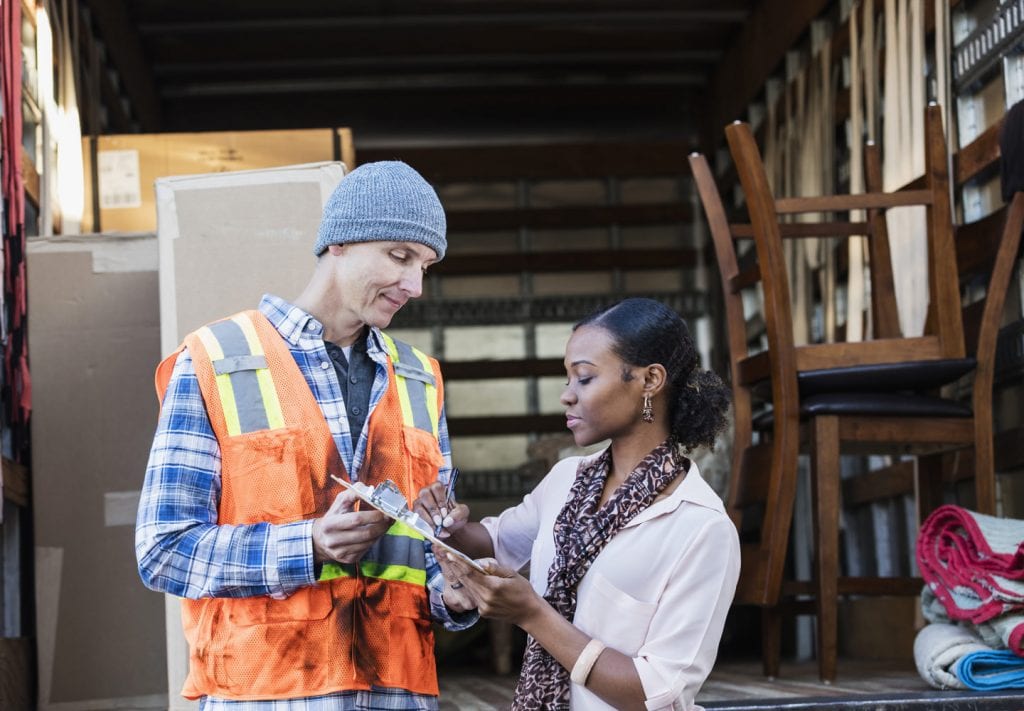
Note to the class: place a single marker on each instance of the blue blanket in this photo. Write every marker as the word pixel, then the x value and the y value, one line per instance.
pixel 991 670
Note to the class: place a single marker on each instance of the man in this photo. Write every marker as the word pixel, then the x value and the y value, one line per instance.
pixel 290 592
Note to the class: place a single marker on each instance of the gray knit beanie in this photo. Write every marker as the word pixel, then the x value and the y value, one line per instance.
pixel 386 201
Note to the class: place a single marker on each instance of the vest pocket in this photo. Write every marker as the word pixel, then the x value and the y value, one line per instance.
pixel 312 603
pixel 265 477
pixel 238 638
pixel 409 662
pixel 424 457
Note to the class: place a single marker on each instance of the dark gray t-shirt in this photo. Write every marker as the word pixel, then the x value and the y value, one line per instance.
pixel 355 376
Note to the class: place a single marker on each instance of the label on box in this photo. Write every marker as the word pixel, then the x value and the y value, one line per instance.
pixel 120 184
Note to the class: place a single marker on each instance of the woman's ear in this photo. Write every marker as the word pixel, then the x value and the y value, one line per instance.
pixel 655 378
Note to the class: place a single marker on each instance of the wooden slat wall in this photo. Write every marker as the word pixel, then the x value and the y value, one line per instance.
pixel 457 165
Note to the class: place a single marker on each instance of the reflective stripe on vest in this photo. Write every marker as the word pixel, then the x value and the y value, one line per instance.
pixel 417 387
pixel 400 554
pixel 397 555
pixel 244 382
pixel 251 402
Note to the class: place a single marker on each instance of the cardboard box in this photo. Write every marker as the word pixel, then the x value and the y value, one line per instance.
pixel 120 171
pixel 228 238
pixel 104 640
pixel 95 336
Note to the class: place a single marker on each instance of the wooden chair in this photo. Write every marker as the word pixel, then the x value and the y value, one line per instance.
pixel 876 396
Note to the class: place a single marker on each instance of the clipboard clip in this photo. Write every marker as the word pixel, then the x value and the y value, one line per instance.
pixel 387 498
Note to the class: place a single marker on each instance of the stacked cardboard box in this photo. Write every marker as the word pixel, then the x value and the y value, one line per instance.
pixel 120 171
pixel 105 308
pixel 95 336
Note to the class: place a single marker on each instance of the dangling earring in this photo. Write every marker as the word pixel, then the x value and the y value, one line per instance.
pixel 647 412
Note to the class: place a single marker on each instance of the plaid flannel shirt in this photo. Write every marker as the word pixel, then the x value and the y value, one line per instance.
pixel 182 551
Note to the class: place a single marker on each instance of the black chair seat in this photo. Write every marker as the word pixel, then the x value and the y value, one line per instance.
pixel 879 378
pixel 885 377
pixel 880 404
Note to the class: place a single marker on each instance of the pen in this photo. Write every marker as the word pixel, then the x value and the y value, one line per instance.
pixel 449 492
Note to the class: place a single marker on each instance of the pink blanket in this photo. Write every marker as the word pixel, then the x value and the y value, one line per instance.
pixel 975 566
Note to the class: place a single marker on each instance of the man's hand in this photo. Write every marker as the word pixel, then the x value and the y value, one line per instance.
pixel 343 535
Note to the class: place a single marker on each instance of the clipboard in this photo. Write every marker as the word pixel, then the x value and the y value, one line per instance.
pixel 387 499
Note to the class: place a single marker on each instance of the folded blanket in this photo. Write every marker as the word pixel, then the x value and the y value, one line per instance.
pixel 991 670
pixel 974 563
pixel 1005 631
pixel 937 649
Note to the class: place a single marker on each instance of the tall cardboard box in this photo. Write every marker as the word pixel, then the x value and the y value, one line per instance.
pixel 120 171
pixel 226 239
pixel 95 338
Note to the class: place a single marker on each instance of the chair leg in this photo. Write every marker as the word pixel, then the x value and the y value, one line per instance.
pixel 929 485
pixel 771 640
pixel 984 467
pixel 825 504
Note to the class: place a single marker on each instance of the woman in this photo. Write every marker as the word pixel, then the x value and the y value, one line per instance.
pixel 633 562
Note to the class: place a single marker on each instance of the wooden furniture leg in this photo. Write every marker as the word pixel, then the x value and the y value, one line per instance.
pixel 771 640
pixel 825 503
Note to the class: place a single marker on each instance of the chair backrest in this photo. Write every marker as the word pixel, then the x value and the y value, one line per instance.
pixel 977 259
pixel 944 336
pixel 764 474
pixel 729 272
pixel 759 478
pixel 884 313
pixel 987 252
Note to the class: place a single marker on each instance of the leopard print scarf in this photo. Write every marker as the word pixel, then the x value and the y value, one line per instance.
pixel 581 531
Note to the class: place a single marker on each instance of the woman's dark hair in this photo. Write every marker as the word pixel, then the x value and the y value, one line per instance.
pixel 645 331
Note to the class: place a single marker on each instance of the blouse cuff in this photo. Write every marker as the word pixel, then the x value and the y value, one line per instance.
pixel 659 693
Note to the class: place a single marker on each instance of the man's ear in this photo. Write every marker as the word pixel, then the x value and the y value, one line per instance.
pixel 655 377
pixel 336 249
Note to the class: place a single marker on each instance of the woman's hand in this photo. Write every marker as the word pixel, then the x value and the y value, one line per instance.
pixel 433 508
pixel 501 594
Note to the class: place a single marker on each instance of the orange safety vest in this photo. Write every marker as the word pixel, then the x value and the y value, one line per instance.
pixel 362 625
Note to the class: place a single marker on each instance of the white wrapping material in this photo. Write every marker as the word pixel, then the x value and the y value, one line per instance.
pixel 937 649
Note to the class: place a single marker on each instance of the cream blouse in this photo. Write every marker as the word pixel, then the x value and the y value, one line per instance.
pixel 658 592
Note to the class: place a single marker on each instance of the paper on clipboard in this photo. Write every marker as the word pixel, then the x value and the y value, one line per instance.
pixel 387 499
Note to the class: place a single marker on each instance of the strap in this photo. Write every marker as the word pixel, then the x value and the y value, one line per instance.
pixel 417 385
pixel 397 555
pixel 248 394
pixel 233 364
pixel 163 373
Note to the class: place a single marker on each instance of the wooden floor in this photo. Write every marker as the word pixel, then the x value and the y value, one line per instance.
pixel 730 681
pixel 739 686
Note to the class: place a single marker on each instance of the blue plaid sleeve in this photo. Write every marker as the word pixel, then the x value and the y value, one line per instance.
pixel 179 546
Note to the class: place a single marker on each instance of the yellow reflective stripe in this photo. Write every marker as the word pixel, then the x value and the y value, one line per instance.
pixel 400 529
pixel 329 571
pixel 403 394
pixel 224 387
pixel 402 573
pixel 271 402
pixel 431 391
